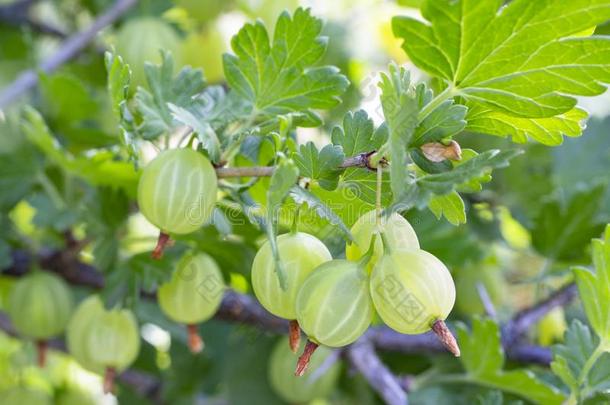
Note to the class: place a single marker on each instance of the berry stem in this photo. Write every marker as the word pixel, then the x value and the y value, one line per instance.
pixel 109 376
pixel 294 333
pixel 162 242
pixel 378 198
pixel 41 348
pixel 446 337
pixel 303 362
pixel 195 342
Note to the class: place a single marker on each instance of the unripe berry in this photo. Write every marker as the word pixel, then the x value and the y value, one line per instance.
pixel 40 305
pixel 80 324
pixel 304 389
pixel 398 232
pixel 103 340
pixel 177 191
pixel 300 253
pixel 334 306
pixel 413 291
pixel 193 294
pixel 552 327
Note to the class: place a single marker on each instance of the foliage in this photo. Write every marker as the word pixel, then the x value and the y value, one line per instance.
pixel 286 107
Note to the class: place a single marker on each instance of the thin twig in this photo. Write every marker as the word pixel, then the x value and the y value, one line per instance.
pixel 254 171
pixel 363 357
pixel 525 319
pixel 362 160
pixel 68 50
pixel 490 309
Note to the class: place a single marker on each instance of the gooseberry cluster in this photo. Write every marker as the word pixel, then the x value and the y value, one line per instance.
pixel 333 301
pixel 103 341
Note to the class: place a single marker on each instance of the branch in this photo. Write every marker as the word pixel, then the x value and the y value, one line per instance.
pixel 362 160
pixel 68 50
pixel 255 171
pixel 525 319
pixel 363 357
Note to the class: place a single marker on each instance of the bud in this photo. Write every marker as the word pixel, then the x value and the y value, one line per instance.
pixel 437 152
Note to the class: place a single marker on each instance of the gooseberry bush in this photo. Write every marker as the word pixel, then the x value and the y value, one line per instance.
pixel 166 226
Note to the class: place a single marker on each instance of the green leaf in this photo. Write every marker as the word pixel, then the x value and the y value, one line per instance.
pixel 119 79
pixel 321 166
pixel 18 171
pixel 99 169
pixel 66 98
pixel 363 184
pixel 443 122
pixel 474 168
pixel 279 77
pixel 548 131
pixel 594 287
pixel 400 109
pixel 570 357
pixel 283 179
pixel 205 133
pixel 509 60
pixel 451 206
pixel 563 230
pixel 302 196
pixel 483 360
pixel 505 58
pixel 475 184
pixel 165 88
pixel 358 134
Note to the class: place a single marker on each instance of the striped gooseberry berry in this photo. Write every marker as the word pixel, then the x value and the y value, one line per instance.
pixel 318 383
pixel 40 305
pixel 193 294
pixel 413 292
pixel 300 254
pixel 177 193
pixel 103 340
pixel 334 306
pixel 397 230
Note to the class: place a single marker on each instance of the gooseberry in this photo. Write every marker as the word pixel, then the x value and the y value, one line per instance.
pixel 552 327
pixel 413 292
pixel 398 233
pixel 318 382
pixel 300 253
pixel 193 294
pixel 103 339
pixel 40 305
pixel 334 306
pixel 177 192
pixel 141 40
